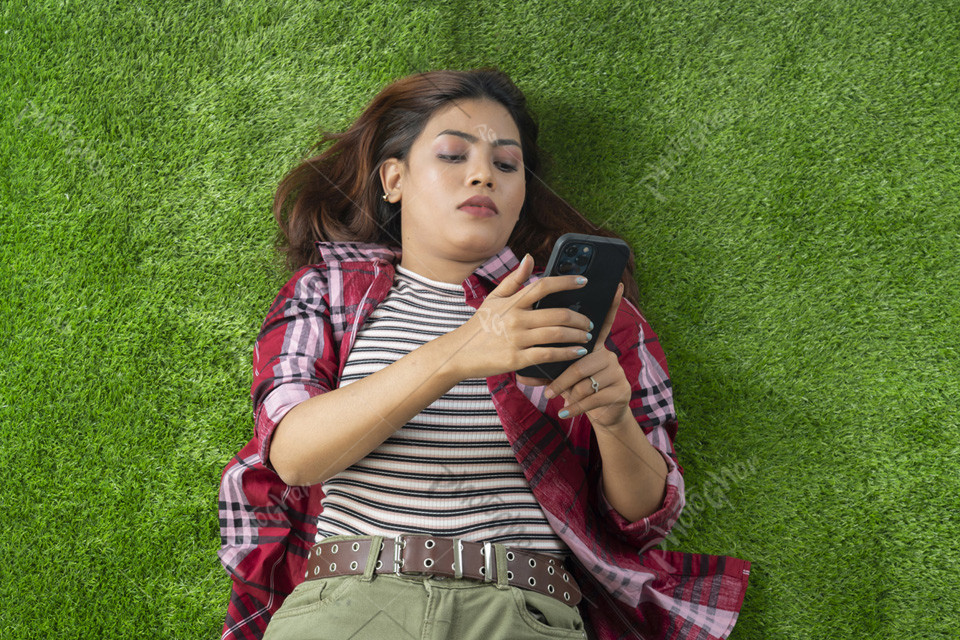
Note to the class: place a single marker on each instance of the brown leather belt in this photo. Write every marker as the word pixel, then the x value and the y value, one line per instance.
pixel 449 557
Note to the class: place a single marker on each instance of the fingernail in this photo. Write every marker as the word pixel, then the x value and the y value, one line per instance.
pixel 548 393
pixel 581 280
pixel 564 413
pixel 591 326
pixel 581 351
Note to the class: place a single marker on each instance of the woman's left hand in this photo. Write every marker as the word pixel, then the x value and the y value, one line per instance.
pixel 607 406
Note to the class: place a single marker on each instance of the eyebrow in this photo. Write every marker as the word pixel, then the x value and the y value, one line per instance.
pixel 469 138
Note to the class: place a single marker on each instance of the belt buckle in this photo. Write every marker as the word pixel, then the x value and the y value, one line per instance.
pixel 457 558
pixel 488 562
pixel 398 545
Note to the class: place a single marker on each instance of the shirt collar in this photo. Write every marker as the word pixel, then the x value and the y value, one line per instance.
pixel 498 266
pixel 352 251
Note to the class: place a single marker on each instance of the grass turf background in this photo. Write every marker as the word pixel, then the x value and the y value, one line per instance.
pixel 787 174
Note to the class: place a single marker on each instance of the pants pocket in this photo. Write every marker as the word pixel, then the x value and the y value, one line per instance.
pixel 547 615
pixel 310 595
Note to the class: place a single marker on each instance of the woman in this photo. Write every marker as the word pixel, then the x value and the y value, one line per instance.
pixel 403 480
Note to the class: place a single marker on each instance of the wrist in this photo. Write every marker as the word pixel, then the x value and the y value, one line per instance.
pixel 446 353
pixel 626 422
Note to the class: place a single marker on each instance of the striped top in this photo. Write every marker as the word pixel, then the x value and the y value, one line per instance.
pixel 450 471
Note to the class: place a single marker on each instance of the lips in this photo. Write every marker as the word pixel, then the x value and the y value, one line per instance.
pixel 479 205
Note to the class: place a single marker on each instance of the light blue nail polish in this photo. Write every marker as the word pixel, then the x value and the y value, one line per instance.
pixel 581 280
pixel 581 351
pixel 591 325
pixel 564 413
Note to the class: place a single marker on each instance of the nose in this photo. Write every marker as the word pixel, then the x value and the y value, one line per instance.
pixel 481 171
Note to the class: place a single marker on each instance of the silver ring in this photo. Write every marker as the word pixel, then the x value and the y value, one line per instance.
pixel 596 387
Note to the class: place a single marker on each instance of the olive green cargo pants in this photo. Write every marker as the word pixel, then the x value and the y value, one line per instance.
pixel 410 607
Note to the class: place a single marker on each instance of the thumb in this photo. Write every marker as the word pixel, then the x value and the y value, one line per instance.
pixel 514 282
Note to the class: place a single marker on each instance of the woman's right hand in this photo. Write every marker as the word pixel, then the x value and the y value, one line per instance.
pixel 505 333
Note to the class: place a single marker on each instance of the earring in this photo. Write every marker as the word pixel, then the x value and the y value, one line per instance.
pixel 385 197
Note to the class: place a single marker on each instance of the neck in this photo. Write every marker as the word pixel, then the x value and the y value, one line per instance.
pixel 449 271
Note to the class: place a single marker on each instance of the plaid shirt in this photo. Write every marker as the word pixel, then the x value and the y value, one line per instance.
pixel 630 589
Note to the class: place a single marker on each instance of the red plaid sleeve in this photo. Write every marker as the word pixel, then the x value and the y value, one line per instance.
pixel 651 403
pixel 293 357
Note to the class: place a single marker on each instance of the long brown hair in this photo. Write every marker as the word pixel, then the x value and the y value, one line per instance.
pixel 337 195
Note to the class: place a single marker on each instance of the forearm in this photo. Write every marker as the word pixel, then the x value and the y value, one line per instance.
pixel 329 432
pixel 634 472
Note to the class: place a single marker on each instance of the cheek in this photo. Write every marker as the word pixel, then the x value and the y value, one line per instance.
pixel 519 192
pixel 442 175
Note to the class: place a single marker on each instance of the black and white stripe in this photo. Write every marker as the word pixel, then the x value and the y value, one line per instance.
pixel 450 471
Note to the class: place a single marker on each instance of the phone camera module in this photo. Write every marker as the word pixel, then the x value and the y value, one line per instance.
pixel 574 259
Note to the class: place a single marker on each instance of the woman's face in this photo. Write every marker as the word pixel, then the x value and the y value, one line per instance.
pixel 468 148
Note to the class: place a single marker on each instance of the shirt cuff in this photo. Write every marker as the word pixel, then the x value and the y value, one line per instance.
pixel 274 407
pixel 649 531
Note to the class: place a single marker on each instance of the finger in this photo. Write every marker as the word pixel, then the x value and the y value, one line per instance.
pixel 514 282
pixel 576 405
pixel 582 369
pixel 582 392
pixel 550 284
pixel 608 322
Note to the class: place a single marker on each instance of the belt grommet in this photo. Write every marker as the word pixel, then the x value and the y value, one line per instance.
pixel 316 571
pixel 532 562
pixel 354 565
pixel 550 588
pixel 532 581
pixel 429 543
pixel 566 596
pixel 334 549
pixel 356 546
pixel 428 562
pixel 482 571
pixel 509 575
pixel 510 556
pixel 333 567
pixel 379 564
pixel 550 569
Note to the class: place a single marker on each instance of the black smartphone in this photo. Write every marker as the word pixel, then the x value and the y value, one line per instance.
pixel 602 260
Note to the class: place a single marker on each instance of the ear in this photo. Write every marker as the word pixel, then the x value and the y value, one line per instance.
pixel 391 172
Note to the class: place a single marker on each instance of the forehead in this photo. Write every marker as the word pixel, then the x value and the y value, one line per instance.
pixel 484 118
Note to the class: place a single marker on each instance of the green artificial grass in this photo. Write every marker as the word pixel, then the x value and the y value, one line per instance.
pixel 786 173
